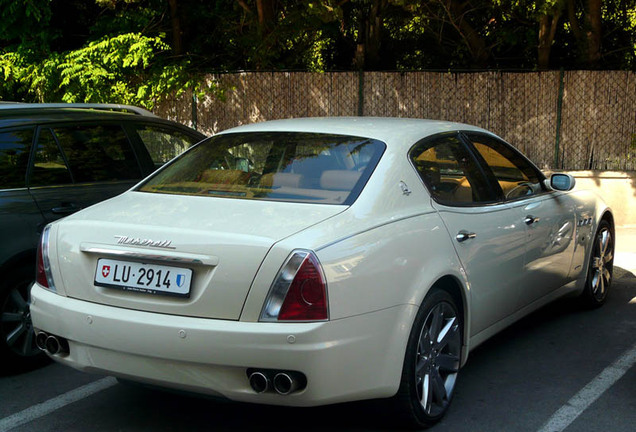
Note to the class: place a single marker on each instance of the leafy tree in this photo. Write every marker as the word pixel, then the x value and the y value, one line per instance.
pixel 138 51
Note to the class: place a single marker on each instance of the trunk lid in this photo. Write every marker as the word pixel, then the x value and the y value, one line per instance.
pixel 222 241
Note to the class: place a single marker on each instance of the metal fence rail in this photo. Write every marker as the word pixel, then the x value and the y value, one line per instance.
pixel 573 120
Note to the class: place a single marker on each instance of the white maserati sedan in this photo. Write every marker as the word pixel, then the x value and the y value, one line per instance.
pixel 315 261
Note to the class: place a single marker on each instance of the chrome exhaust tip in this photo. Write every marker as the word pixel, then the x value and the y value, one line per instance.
pixel 285 383
pixel 259 382
pixel 40 340
pixel 52 345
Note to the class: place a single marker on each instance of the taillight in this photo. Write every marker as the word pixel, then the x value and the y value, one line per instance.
pixel 43 274
pixel 299 292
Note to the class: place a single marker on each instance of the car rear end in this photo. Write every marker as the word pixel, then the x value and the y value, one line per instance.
pixel 194 281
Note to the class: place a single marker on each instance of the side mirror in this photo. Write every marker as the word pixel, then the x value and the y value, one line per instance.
pixel 562 182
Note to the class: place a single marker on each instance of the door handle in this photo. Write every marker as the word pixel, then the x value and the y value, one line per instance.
pixel 462 236
pixel 65 208
pixel 529 220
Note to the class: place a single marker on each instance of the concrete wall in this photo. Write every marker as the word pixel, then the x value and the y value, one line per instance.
pixel 617 188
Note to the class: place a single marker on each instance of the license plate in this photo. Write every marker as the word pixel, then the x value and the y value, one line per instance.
pixel 143 278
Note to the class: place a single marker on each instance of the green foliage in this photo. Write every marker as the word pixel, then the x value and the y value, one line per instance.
pixel 24 21
pixel 125 69
pixel 141 51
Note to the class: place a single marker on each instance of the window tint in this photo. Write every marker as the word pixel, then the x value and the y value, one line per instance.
pixel 515 175
pixel 164 145
pixel 299 167
pixel 15 147
pixel 49 168
pixel 98 153
pixel 450 172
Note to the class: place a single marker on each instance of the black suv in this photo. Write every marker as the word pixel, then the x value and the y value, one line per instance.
pixel 56 159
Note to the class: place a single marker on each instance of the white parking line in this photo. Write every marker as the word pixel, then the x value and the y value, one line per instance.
pixel 590 393
pixel 44 408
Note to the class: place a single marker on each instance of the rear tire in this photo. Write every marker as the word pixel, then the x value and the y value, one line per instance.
pixel 431 363
pixel 18 351
pixel 600 268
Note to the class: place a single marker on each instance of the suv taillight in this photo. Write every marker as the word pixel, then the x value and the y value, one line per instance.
pixel 43 273
pixel 299 292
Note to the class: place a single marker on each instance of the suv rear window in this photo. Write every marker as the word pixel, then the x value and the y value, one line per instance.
pixel 163 144
pixel 281 166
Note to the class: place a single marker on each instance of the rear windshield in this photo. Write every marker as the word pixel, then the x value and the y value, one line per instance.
pixel 280 166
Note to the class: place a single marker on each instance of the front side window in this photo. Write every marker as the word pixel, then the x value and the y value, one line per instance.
pixel 98 153
pixel 281 166
pixel 514 174
pixel 450 172
pixel 15 147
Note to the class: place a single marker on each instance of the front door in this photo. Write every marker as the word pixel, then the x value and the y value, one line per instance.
pixel 546 216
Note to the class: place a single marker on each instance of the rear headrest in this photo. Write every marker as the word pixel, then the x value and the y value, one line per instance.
pixel 339 179
pixel 280 180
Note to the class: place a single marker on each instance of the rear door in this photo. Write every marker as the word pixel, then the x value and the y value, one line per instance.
pixel 20 219
pixel 75 166
pixel 484 230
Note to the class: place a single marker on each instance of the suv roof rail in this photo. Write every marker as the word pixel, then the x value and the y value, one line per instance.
pixel 106 107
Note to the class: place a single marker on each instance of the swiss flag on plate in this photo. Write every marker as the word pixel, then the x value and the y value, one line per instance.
pixel 105 270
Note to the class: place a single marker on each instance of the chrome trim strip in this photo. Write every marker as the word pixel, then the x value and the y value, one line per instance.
pixel 154 255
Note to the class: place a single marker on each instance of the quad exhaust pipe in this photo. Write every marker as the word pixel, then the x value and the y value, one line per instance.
pixel 281 382
pixel 51 344
pixel 259 382
pixel 285 383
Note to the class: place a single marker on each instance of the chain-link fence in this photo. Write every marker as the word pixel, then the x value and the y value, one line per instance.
pixel 574 120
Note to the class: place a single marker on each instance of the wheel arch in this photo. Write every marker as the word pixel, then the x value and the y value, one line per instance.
pixel 609 217
pixel 23 259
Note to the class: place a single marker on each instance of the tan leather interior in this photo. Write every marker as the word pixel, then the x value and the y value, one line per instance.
pixel 276 180
pixel 339 179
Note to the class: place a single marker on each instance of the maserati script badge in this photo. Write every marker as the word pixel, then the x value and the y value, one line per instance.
pixel 136 241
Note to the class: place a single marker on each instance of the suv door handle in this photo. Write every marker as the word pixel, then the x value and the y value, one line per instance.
pixel 65 208
pixel 529 220
pixel 462 236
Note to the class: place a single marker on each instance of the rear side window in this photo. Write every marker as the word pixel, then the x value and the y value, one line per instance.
pixel 98 153
pixel 164 145
pixel 450 172
pixel 15 147
pixel 282 166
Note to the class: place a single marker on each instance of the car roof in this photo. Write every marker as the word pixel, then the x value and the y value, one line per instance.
pixel 391 130
pixel 18 114
pixel 7 107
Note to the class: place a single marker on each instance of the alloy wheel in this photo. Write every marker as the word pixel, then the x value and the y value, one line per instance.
pixel 17 329
pixel 601 264
pixel 438 356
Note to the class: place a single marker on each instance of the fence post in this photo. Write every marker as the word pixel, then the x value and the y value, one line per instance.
pixel 360 93
pixel 194 111
pixel 557 140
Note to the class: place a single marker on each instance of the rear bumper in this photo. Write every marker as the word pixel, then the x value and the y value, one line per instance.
pixel 355 358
